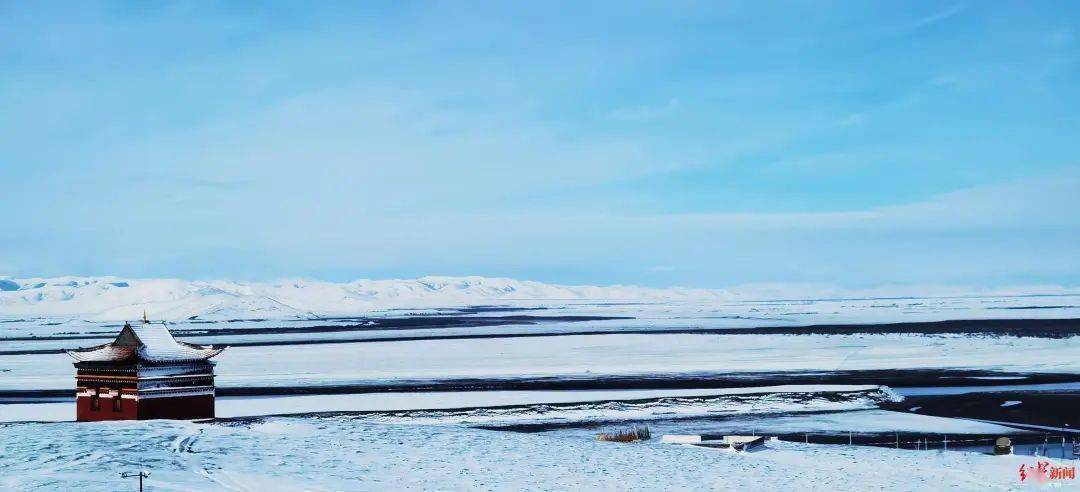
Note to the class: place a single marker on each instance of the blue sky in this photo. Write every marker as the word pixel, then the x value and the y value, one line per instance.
pixel 670 143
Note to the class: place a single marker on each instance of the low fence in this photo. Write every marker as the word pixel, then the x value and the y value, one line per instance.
pixel 1049 445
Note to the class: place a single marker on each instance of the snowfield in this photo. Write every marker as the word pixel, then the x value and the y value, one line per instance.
pixel 593 355
pixel 349 454
pixel 400 399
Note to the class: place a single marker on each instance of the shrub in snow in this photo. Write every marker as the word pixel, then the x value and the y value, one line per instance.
pixel 640 433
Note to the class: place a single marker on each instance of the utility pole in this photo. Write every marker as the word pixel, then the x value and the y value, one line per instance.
pixel 141 475
pixel 946 444
pixel 897 440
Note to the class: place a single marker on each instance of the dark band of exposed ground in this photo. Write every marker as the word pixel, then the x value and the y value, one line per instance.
pixel 1034 328
pixel 1050 412
pixel 890 377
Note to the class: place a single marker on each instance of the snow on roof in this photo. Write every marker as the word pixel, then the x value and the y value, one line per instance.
pixel 147 341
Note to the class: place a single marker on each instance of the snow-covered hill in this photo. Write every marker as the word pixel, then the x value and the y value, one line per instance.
pixel 113 298
pixel 106 298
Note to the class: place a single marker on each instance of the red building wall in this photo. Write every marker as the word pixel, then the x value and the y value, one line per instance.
pixel 180 391
pixel 179 407
pixel 85 411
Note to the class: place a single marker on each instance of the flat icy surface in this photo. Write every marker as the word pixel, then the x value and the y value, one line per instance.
pixel 350 454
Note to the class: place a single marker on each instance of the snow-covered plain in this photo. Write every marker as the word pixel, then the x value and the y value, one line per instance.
pixel 423 440
pixel 591 356
pixel 349 454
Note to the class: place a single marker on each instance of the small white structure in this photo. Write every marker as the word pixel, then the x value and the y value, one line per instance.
pixel 680 439
pixel 730 443
pixel 742 443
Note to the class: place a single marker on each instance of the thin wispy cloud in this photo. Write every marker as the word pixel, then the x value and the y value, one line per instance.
pixel 936 17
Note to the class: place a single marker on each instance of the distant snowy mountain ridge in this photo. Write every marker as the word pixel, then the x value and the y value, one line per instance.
pixel 108 298
pixel 113 298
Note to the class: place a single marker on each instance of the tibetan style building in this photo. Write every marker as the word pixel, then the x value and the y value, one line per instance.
pixel 144 374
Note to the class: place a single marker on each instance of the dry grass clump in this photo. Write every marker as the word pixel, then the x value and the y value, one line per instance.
pixel 640 433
